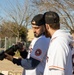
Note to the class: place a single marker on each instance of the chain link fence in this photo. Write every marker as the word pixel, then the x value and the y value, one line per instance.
pixel 7 42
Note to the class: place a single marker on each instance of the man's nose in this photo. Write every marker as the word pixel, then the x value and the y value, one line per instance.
pixel 34 31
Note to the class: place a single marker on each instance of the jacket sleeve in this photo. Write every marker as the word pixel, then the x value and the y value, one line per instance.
pixel 24 54
pixel 30 63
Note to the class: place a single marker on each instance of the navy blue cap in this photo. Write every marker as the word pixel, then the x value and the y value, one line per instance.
pixel 38 20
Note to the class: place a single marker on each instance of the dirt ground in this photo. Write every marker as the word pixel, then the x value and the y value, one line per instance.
pixel 8 66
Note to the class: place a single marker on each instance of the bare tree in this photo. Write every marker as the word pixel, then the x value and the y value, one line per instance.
pixel 9 29
pixel 63 7
pixel 17 12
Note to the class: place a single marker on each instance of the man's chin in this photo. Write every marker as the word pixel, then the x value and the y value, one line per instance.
pixel 36 36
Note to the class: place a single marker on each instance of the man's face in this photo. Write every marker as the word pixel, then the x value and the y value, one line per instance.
pixel 47 32
pixel 38 30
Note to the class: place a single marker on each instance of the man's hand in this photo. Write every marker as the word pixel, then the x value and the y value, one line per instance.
pixel 9 57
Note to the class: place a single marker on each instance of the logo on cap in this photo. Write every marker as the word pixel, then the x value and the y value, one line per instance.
pixel 33 22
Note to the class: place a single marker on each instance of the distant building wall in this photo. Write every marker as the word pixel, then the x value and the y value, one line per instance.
pixel 30 35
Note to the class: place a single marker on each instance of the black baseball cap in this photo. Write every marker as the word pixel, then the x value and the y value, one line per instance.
pixel 51 17
pixel 38 20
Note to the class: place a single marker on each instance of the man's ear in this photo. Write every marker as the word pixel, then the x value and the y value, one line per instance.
pixel 47 26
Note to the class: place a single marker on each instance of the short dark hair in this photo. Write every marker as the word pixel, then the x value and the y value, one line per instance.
pixel 52 18
pixel 38 20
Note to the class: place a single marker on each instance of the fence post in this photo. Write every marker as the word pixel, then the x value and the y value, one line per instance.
pixel 6 42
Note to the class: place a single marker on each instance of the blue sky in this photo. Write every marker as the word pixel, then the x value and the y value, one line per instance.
pixel 6 5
